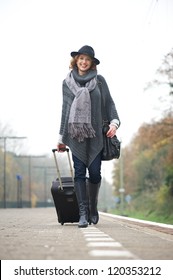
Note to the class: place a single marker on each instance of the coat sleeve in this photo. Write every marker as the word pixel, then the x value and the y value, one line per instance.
pixel 110 108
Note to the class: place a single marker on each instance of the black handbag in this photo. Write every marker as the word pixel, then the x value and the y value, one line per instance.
pixel 111 146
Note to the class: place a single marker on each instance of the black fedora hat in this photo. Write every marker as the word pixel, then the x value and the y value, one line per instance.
pixel 88 51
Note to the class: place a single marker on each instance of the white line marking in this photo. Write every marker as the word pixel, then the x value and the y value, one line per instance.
pixel 95 238
pixel 99 239
pixel 96 235
pixel 110 253
pixel 90 230
pixel 104 244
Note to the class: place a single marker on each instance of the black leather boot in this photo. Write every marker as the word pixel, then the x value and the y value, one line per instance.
pixel 93 192
pixel 80 189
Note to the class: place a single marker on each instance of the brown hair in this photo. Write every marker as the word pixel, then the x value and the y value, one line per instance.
pixel 74 60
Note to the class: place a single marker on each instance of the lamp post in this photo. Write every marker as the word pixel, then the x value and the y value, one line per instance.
pixel 5 144
pixel 19 190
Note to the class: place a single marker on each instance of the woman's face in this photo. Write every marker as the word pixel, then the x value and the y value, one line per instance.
pixel 84 63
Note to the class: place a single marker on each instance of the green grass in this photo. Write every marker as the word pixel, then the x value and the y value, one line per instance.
pixel 156 206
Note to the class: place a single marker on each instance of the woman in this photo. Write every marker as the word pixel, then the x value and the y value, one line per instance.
pixel 81 128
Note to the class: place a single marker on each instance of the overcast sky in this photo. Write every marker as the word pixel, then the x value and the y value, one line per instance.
pixel 130 38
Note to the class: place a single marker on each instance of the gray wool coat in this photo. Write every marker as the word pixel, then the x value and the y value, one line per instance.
pixel 87 150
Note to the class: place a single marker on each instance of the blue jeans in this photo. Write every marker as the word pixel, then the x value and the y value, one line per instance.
pixel 94 170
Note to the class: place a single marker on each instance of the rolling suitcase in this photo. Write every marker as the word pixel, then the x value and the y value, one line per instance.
pixel 64 196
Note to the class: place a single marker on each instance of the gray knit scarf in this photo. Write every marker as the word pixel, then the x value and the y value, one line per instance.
pixel 79 123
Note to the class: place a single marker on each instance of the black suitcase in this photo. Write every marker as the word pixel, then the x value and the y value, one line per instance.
pixel 64 196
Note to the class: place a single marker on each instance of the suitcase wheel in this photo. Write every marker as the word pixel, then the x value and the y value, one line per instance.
pixel 62 223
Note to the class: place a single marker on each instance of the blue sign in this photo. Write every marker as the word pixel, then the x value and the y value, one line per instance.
pixel 128 198
pixel 18 177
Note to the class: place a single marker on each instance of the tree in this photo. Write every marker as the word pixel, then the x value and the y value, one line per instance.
pixel 148 161
pixel 164 74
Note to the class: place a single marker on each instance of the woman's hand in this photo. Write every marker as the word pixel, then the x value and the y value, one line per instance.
pixel 112 131
pixel 61 147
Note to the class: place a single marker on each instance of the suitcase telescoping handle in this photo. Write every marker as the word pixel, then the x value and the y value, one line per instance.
pixel 57 166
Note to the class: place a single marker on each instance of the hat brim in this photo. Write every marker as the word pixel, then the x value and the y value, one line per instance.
pixel 96 61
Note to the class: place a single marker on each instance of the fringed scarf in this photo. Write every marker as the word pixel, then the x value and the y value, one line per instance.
pixel 79 123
